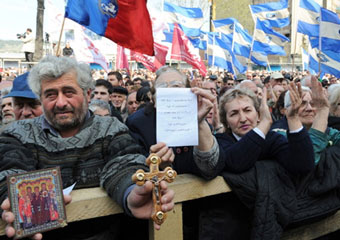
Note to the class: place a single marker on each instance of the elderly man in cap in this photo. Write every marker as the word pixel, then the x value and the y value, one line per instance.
pixel 26 104
pixel 239 78
pixel 7 112
pixel 118 98
pixel 213 77
pixel 276 79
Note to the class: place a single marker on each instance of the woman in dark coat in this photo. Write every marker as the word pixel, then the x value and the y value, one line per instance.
pixel 248 138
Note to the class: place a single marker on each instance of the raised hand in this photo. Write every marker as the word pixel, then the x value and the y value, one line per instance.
pixel 272 95
pixel 319 97
pixel 217 125
pixel 321 104
pixel 264 109
pixel 205 102
pixel 295 93
pixel 265 117
pixel 164 152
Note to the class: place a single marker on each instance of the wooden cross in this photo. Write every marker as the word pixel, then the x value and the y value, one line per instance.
pixel 155 176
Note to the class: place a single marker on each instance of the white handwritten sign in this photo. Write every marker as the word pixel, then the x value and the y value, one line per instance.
pixel 176 117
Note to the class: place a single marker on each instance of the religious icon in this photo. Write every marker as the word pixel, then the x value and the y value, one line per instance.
pixel 36 201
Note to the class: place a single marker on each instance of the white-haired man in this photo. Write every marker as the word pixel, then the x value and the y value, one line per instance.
pixel 90 150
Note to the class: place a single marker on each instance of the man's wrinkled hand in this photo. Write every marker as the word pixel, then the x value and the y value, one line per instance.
pixel 140 201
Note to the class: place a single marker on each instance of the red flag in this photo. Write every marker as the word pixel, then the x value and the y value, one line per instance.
pixel 182 49
pixel 121 59
pixel 152 63
pixel 125 22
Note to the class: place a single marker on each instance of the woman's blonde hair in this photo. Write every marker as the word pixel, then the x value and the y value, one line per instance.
pixel 232 94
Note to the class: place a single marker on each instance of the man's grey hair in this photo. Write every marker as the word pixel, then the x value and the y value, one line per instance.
pixel 287 96
pixel 333 98
pixel 332 88
pixel 52 67
pixel 166 69
pixel 96 104
pixel 5 91
pixel 241 85
pixel 306 81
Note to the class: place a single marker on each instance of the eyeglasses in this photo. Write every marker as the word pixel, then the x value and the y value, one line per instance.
pixel 305 104
pixel 170 84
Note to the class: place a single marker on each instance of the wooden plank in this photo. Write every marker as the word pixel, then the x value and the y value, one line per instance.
pixel 171 228
pixel 314 230
pixel 94 202
pixel 2 227
pixel 90 203
pixel 188 187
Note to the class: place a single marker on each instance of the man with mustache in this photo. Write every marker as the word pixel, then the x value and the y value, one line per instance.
pixel 90 150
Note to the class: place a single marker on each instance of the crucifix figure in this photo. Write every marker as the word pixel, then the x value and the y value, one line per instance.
pixel 155 176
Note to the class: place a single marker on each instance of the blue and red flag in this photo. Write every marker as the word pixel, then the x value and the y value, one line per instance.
pixel 125 22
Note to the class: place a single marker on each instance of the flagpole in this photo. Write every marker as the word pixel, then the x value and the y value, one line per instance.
pixel 231 60
pixel 269 68
pixel 294 31
pixel 61 33
pixel 302 59
pixel 293 55
pixel 252 44
pixel 213 13
pixel 232 65
pixel 320 47
pixel 232 42
pixel 213 52
pixel 232 48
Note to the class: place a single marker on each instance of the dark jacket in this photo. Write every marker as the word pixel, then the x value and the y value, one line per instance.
pixel 296 155
pixel 115 112
pixel 280 199
pixel 280 124
pixel 230 218
pixel 334 122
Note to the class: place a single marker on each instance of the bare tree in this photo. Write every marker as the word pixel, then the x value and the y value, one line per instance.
pixel 39 38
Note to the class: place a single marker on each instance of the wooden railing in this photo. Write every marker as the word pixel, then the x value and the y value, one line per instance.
pixel 94 202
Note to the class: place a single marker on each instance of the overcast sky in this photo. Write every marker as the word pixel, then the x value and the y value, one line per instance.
pixel 18 15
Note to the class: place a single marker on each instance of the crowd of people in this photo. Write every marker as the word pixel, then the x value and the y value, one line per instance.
pixel 260 130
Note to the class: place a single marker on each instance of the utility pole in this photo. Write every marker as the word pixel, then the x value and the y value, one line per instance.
pixel 39 41
pixel 212 13
pixel 326 4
